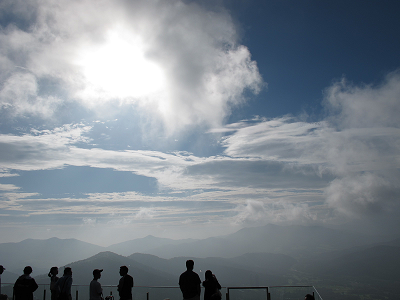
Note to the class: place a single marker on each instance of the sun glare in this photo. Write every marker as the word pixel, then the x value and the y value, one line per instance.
pixel 119 67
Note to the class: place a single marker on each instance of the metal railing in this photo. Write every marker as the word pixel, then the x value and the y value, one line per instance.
pixel 81 292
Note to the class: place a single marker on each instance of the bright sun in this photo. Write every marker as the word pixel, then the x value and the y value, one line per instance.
pixel 119 67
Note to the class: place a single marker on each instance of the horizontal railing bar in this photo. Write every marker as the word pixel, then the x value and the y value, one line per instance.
pixel 247 287
pixel 293 286
pixel 174 287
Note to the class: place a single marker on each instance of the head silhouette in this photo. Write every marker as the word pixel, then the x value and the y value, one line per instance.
pixel 123 270
pixel 67 271
pixel 53 271
pixel 189 264
pixel 97 273
pixel 309 297
pixel 27 270
pixel 208 274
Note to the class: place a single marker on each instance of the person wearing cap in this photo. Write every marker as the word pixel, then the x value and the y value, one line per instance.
pixel 1 272
pixel 25 285
pixel 96 291
pixel 125 284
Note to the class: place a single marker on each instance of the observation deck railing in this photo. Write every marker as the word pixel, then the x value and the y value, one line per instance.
pixel 81 292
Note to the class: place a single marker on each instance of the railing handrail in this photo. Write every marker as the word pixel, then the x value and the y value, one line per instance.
pixel 176 286
pixel 228 288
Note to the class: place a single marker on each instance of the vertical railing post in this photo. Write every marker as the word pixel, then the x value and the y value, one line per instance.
pixel 147 296
pixel 76 294
pixel 44 294
pixel 268 295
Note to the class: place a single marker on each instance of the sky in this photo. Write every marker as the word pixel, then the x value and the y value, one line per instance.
pixel 191 119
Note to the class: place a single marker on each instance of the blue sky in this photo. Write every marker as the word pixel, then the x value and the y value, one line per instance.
pixel 197 118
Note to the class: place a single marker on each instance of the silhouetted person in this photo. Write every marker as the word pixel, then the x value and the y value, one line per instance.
pixel 189 282
pixel 64 285
pixel 53 280
pixel 96 291
pixel 211 287
pixel 1 272
pixel 309 297
pixel 25 285
pixel 125 284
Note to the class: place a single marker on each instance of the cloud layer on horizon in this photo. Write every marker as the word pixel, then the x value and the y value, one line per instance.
pixel 280 170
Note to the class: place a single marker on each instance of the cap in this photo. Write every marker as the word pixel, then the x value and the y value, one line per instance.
pixel 97 271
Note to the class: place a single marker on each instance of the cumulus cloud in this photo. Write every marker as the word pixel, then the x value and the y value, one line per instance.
pixel 364 194
pixel 358 143
pixel 145 213
pixel 19 96
pixel 255 212
pixel 176 60
pixel 365 106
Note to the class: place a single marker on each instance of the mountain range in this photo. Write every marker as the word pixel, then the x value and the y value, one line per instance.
pixel 295 241
pixel 329 259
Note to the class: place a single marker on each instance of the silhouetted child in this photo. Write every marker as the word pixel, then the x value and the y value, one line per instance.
pixel 53 280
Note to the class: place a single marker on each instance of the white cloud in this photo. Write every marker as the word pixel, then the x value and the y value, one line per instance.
pixel 256 212
pixel 8 187
pixel 204 68
pixel 364 194
pixel 366 106
pixel 89 221
pixel 358 143
pixel 19 96
pixel 145 213
pixel 40 150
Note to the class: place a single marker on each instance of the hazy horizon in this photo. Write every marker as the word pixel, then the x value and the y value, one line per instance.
pixel 193 119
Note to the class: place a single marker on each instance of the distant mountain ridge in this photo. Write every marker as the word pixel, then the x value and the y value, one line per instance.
pixel 43 254
pixel 295 241
pixel 143 245
pixel 149 270
pixel 111 262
